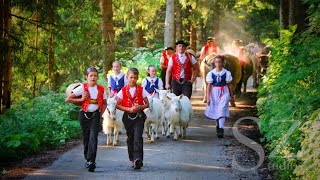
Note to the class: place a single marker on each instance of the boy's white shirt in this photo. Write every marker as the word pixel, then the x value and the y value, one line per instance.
pixel 93 95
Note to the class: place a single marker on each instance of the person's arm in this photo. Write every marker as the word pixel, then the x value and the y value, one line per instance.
pixel 139 108
pixel 195 72
pixel 160 84
pixel 104 102
pixel 111 94
pixel 120 106
pixel 202 54
pixel 195 69
pixel 72 98
pixel 168 76
pixel 144 82
pixel 230 90
pixel 123 108
pixel 209 87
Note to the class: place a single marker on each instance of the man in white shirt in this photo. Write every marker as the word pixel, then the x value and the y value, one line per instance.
pixel 183 68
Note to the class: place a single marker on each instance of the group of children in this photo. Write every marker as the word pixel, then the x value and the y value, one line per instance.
pixel 132 99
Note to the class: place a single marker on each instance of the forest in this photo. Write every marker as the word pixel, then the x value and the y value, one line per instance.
pixel 47 45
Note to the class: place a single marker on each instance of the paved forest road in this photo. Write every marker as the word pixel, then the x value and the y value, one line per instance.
pixel 200 156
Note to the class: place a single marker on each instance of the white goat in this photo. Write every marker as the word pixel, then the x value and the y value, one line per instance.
pixel 154 117
pixel 112 118
pixel 181 114
pixel 166 123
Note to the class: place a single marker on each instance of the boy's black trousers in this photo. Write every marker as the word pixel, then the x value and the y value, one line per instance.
pixel 134 130
pixel 90 126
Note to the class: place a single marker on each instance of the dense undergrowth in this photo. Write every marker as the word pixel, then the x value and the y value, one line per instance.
pixel 33 125
pixel 289 103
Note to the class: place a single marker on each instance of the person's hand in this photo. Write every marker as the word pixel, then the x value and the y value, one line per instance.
pixel 167 86
pixel 112 94
pixel 85 95
pixel 208 101
pixel 133 109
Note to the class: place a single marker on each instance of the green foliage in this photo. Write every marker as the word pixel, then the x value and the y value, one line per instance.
pixel 309 156
pixel 258 18
pixel 28 127
pixel 288 96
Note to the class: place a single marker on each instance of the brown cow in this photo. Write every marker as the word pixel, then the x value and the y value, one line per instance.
pixel 260 58
pixel 247 68
pixel 231 63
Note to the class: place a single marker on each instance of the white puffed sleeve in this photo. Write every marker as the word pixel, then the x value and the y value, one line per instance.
pixel 144 82
pixel 228 77
pixel 209 77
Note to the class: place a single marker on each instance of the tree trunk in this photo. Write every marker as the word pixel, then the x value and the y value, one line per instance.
pixel 6 58
pixel 138 31
pixel 2 52
pixel 216 22
pixel 284 14
pixel 200 35
pixel 169 24
pixel 193 37
pixel 297 15
pixel 138 37
pixel 186 34
pixel 51 63
pixel 52 68
pixel 292 12
pixel 178 18
pixel 37 52
pixel 108 36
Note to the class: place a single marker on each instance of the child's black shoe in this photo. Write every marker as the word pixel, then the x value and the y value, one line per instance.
pixel 91 166
pixel 138 164
pixel 86 165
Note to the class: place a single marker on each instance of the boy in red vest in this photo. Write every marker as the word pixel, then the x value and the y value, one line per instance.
pixel 209 48
pixel 132 99
pixel 93 102
pixel 183 67
pixel 164 60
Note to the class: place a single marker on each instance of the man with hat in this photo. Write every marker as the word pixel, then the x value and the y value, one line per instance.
pixel 183 68
pixel 166 55
pixel 209 48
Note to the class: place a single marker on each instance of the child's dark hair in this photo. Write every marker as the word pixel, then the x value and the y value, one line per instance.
pixel 135 71
pixel 219 57
pixel 149 69
pixel 117 62
pixel 91 69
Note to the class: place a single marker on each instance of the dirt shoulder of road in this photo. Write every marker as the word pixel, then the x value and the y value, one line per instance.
pixel 21 169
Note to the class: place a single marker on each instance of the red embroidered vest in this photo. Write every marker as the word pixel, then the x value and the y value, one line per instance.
pixel 99 98
pixel 176 68
pixel 166 60
pixel 206 48
pixel 127 100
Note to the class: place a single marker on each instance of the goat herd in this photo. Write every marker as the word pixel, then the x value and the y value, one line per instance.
pixel 170 112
